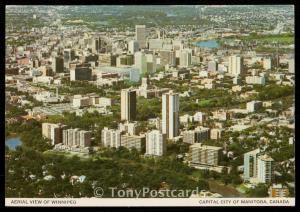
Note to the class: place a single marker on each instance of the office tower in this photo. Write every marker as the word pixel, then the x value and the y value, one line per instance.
pixel 110 137
pixel 167 58
pixel 235 65
pixel 155 143
pixel 58 65
pixel 140 62
pixel 170 114
pixel 185 58
pixel 96 45
pixel 197 135
pixel 53 132
pixel 205 155
pixel 140 35
pixel 265 172
pixel 212 66
pixel 128 104
pixel 291 64
pixel 133 46
pixel 69 55
pixel 151 63
pixel 81 73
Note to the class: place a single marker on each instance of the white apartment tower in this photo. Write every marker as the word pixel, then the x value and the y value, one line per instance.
pixel 111 137
pixel 170 114
pixel 155 143
pixel 235 65
pixel 140 35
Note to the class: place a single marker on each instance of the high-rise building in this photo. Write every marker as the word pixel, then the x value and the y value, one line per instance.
pixel 265 172
pixel 69 55
pixel 185 59
pixel 128 104
pixel 205 155
pixel 58 65
pixel 151 63
pixel 107 59
pixel 111 137
pixel 212 66
pixel 140 35
pixel 258 167
pixel 140 62
pixel 53 132
pixel 170 114
pixel 76 137
pixel 155 143
pixel 167 58
pixel 124 60
pixel 96 45
pixel 250 164
pixel 81 73
pixel 133 141
pixel 133 46
pixel 235 65
pixel 197 135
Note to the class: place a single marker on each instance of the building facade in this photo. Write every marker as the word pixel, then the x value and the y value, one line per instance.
pixel 170 114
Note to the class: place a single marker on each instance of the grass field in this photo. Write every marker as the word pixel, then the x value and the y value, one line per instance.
pixel 281 38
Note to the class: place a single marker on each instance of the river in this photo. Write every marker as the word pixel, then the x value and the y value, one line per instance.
pixel 207 44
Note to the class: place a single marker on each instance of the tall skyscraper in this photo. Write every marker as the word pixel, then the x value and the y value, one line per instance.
pixel 69 55
pixel 133 46
pixel 58 65
pixel 140 35
pixel 170 114
pixel 155 143
pixel 140 62
pixel 235 65
pixel 128 105
pixel 185 59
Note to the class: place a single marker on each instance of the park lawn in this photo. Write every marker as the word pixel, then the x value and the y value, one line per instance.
pixel 204 103
pixel 242 188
